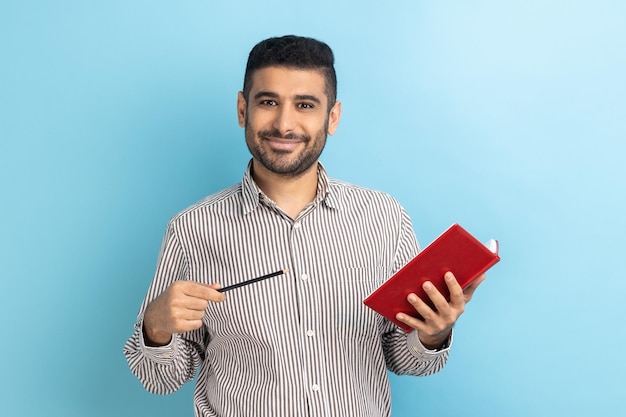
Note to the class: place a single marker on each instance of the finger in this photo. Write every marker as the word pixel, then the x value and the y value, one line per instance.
pixel 468 292
pixel 438 300
pixel 455 289
pixel 216 286
pixel 178 300
pixel 216 296
pixel 413 322
pixel 195 304
pixel 421 307
pixel 206 292
pixel 472 287
pixel 182 326
pixel 189 309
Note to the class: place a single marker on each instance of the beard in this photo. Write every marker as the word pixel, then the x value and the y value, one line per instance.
pixel 286 163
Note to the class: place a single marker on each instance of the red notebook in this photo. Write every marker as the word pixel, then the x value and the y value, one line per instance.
pixel 455 250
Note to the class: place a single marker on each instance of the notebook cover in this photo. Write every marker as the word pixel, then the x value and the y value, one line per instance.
pixel 455 250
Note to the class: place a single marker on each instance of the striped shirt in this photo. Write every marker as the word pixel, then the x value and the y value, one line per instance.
pixel 300 344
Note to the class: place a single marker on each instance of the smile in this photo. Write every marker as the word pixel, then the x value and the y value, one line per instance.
pixel 283 145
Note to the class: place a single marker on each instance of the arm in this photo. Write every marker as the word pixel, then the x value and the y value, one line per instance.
pixel 405 354
pixel 168 343
pixel 425 350
pixel 430 342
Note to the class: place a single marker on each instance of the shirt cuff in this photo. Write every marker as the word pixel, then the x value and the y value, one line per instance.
pixel 160 354
pixel 419 350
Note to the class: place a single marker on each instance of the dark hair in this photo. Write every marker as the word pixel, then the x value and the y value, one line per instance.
pixel 293 52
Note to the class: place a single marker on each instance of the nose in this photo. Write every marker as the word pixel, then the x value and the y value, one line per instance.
pixel 285 120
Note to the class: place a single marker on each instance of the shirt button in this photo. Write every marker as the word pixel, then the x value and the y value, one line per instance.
pixel 296 226
pixel 310 333
pixel 315 387
pixel 304 277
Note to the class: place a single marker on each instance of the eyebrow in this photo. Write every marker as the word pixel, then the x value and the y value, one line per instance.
pixel 270 94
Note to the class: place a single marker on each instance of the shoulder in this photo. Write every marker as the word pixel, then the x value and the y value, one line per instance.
pixel 370 209
pixel 226 200
pixel 348 194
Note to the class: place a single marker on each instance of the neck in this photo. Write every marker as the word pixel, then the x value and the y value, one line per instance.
pixel 291 194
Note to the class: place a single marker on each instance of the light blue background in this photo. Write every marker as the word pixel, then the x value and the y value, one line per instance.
pixel 507 117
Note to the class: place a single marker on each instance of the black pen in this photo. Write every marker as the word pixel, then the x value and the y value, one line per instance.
pixel 253 280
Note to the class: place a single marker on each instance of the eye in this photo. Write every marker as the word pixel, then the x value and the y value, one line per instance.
pixel 305 106
pixel 268 102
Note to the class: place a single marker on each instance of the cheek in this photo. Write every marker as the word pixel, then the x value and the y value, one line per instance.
pixel 317 127
pixel 256 121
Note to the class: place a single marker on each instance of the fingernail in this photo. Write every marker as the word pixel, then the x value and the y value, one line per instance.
pixel 427 285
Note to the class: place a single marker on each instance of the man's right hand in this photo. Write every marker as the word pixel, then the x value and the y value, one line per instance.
pixel 180 308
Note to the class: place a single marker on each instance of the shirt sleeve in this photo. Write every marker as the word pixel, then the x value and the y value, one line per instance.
pixel 164 369
pixel 404 353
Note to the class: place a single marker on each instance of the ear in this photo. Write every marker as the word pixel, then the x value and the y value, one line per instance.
pixel 333 118
pixel 241 109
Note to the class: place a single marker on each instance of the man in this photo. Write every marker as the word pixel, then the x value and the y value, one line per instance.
pixel 299 344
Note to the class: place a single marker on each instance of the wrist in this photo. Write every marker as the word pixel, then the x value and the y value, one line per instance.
pixel 155 338
pixel 435 342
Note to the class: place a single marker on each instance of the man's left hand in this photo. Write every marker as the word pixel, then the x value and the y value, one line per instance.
pixel 435 328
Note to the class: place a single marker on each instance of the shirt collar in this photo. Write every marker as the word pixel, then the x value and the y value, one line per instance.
pixel 252 194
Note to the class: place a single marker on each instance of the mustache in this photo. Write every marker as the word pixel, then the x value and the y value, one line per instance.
pixel 274 133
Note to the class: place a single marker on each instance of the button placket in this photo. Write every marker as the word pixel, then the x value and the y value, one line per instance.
pixel 312 352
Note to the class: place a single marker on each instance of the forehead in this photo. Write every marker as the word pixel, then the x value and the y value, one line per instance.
pixel 286 81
